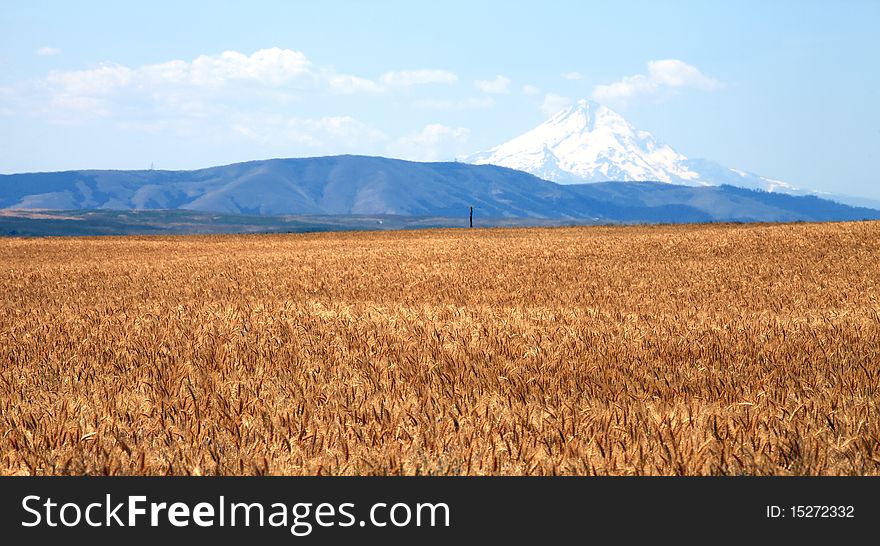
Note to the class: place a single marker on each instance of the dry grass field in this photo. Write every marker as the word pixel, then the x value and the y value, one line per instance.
pixel 721 349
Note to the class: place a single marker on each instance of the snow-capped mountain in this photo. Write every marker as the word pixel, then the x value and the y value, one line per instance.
pixel 589 142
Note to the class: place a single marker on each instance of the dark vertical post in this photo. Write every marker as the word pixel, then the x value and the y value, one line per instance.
pixel 472 216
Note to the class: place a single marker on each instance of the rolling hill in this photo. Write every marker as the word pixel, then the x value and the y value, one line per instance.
pixel 358 185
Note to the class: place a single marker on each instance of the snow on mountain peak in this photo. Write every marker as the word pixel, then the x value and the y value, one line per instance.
pixel 589 142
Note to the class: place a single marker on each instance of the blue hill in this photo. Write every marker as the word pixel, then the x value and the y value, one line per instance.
pixel 360 185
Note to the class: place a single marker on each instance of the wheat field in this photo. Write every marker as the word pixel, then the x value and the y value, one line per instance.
pixel 682 350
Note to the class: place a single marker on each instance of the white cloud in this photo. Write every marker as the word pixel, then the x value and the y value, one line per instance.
pixel 530 90
pixel 626 88
pixel 48 51
pixel 248 99
pixel 346 84
pixel 267 67
pixel 572 76
pixel 675 73
pixel 72 109
pixel 206 84
pixel 249 133
pixel 500 84
pixel 209 82
pixel 97 81
pixel 176 72
pixel 470 103
pixel 283 135
pixel 435 142
pixel 663 75
pixel 554 103
pixel 333 133
pixel 410 78
pixel 272 66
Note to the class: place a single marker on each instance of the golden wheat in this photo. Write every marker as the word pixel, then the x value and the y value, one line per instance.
pixel 723 349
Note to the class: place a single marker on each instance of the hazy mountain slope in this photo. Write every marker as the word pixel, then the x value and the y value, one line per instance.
pixel 357 185
pixel 322 185
pixel 721 203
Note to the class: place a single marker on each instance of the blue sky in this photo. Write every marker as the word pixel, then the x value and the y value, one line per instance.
pixel 788 90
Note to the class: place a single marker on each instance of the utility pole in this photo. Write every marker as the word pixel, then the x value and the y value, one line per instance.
pixel 472 216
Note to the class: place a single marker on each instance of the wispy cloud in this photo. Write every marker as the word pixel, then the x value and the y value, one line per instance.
pixel 48 51
pixel 409 78
pixel 266 68
pixel 554 103
pixel 275 134
pixel 663 75
pixel 335 129
pixel 500 84
pixel 96 81
pixel 572 76
pixel 205 83
pixel 331 134
pixel 435 142
pixel 454 105
pixel 530 90
pixel 248 99
pixel 347 84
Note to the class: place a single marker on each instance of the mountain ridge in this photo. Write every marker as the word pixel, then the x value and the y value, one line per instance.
pixel 367 185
